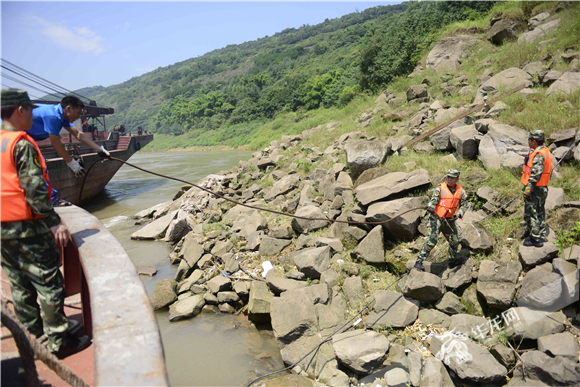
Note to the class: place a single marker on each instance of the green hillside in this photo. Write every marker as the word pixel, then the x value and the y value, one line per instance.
pixel 225 97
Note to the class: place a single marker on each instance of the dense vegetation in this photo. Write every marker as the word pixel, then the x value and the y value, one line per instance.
pixel 221 97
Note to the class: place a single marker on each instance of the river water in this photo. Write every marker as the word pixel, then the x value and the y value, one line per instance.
pixel 208 350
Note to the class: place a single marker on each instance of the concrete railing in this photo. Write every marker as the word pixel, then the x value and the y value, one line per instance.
pixel 116 309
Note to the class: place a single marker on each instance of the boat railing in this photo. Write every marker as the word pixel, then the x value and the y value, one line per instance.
pixel 115 305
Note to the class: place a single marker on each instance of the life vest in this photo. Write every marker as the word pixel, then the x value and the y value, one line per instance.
pixel 527 169
pixel 12 197
pixel 448 202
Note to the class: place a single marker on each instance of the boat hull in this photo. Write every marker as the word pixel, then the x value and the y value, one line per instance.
pixel 69 186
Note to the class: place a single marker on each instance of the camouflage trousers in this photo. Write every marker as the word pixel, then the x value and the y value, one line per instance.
pixel 31 265
pixel 449 231
pixel 535 213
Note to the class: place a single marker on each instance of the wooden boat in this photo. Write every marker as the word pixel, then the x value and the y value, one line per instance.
pixel 119 145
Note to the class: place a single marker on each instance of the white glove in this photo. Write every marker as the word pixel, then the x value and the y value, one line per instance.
pixel 76 168
pixel 103 152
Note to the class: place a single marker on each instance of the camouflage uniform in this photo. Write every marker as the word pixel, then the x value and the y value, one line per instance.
pixel 30 257
pixel 534 211
pixel 445 225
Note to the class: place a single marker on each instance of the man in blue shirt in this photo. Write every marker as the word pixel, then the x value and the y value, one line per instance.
pixel 47 123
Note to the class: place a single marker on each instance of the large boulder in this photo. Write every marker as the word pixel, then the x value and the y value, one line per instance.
pixel 498 141
pixel 464 141
pixel 561 344
pixel 525 323
pixel 186 308
pixel 279 285
pixel 569 273
pixel 313 219
pixel 566 84
pixel 259 302
pixel 361 351
pixel 155 229
pixel 541 289
pixel 507 79
pixel 539 32
pixel 496 282
pixel 164 294
pixel 449 52
pixel 372 248
pixel 474 235
pixel 179 227
pixel 422 286
pixel 313 262
pixel 539 369
pixel 404 227
pixel 475 363
pixel 504 30
pixel 392 309
pixel 362 155
pixel 531 256
pixel 391 184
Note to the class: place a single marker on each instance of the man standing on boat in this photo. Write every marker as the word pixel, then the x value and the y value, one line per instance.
pixel 30 257
pixel 50 119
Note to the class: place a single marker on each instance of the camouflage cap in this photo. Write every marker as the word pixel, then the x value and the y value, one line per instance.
pixel 15 97
pixel 536 134
pixel 453 173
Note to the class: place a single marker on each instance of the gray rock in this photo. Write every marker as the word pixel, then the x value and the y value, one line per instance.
pixel 572 254
pixel 504 355
pixel 329 277
pixel 474 235
pixel 242 288
pixel 404 227
pixel 362 155
pixel 147 270
pixel 282 232
pixel 504 30
pixel 532 324
pixel 392 309
pixel 155 229
pixel 568 83
pixel 219 284
pixel 464 141
pixel 227 297
pixel 459 276
pixel 335 244
pixel 313 262
pixel 271 246
pixel 191 251
pixel 450 304
pixel 397 377
pixel 422 286
pixel 464 323
pixel 472 302
pixel 283 186
pixel 533 256
pixel 279 285
pixel 372 248
pixel 434 317
pixel 302 226
pixel 221 248
pixel 539 32
pixel 561 344
pixel 186 308
pixel 555 198
pixel 353 291
pixel 164 294
pixel 361 351
pixel 415 366
pixel 538 369
pixel 435 374
pixel 210 299
pixel 508 78
pixel 210 309
pixel 569 273
pixel 259 302
pixel 416 91
pixel 480 367
pixel 391 184
pixel 226 308
pixel 196 278
pixel 254 240
pixel 540 290
pixel 231 265
pixel 178 227
pixel 497 282
pixel 449 52
pixel 441 139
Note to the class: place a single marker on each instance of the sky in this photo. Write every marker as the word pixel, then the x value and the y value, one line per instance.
pixel 82 44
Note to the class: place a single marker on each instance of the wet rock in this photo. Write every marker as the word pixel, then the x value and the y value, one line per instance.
pixel 155 229
pixel 271 246
pixel 259 302
pixel 497 282
pixel 164 294
pixel 210 309
pixel 147 270
pixel 422 286
pixel 186 308
pixel 313 262
pixel 361 351
pixel 371 249
pixel 392 309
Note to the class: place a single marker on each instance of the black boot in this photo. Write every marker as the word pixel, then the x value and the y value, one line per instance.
pixel 419 265
pixel 72 345
pixel 529 242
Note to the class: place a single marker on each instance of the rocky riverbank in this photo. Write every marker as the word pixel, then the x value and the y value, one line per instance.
pixel 507 316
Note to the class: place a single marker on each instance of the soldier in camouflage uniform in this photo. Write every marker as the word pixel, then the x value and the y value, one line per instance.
pixel 536 174
pixel 30 257
pixel 448 203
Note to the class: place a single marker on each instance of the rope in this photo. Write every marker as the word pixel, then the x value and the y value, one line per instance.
pixel 31 347
pixel 239 203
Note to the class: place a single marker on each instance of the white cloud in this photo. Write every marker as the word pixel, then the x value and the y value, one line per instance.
pixel 75 39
